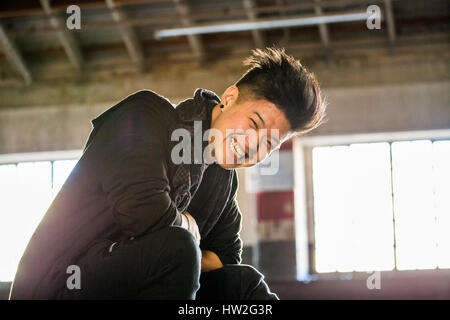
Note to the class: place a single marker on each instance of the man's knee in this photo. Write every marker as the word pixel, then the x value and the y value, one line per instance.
pixel 185 256
pixel 244 272
pixel 184 246
pixel 171 246
pixel 173 265
pixel 252 284
pixel 257 288
pixel 249 272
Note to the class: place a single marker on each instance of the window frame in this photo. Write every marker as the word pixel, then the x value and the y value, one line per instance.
pixel 14 158
pixel 50 156
pixel 304 203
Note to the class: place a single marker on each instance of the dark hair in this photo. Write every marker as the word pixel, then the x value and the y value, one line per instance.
pixel 279 78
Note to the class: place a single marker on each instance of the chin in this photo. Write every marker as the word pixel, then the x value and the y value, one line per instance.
pixel 229 166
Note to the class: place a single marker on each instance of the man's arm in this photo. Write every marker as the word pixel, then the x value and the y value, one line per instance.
pixel 134 176
pixel 224 239
pixel 210 261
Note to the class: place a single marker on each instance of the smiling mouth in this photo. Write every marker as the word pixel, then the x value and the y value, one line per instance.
pixel 236 148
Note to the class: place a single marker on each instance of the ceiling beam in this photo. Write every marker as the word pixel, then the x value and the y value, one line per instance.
pixel 390 21
pixel 172 19
pixel 16 10
pixel 14 56
pixel 128 35
pixel 257 34
pixel 283 13
pixel 195 41
pixel 66 38
pixel 323 28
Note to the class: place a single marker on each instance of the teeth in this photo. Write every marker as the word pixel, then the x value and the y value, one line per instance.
pixel 237 149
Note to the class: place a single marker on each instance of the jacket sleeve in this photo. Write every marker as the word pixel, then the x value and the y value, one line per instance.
pixel 224 239
pixel 134 176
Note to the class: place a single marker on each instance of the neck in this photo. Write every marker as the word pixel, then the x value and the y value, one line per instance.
pixel 214 115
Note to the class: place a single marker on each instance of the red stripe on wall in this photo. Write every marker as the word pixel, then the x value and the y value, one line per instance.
pixel 275 205
pixel 287 146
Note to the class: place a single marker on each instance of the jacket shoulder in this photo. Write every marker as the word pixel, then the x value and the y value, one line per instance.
pixel 150 96
pixel 144 100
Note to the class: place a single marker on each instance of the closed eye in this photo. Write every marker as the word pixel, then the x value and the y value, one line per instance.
pixel 254 123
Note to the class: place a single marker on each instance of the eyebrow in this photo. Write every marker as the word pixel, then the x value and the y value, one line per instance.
pixel 260 118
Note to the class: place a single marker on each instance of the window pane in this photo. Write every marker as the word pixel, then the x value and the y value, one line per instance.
pixel 8 222
pixel 353 208
pixel 26 194
pixel 415 217
pixel 61 170
pixel 441 161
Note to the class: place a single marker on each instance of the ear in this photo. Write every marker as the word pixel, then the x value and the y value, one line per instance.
pixel 230 96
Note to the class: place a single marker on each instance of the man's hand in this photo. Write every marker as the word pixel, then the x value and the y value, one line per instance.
pixel 210 261
pixel 188 222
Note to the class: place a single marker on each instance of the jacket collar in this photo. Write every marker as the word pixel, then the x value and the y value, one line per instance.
pixel 187 177
pixel 198 108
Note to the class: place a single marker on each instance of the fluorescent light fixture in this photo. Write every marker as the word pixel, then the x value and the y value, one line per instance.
pixel 261 24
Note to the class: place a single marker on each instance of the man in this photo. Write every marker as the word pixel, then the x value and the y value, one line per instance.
pixel 138 223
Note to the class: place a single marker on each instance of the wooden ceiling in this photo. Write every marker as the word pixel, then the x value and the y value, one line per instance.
pixel 33 30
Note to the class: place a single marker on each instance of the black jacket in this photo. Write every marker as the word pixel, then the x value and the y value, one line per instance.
pixel 125 184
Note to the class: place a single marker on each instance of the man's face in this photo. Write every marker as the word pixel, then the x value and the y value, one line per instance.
pixel 249 130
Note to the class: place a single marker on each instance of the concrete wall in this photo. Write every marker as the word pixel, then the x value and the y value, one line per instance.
pixel 379 108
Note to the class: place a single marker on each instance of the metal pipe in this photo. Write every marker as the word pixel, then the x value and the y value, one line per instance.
pixel 260 24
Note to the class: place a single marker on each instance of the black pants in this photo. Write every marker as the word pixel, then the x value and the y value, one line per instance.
pixel 162 265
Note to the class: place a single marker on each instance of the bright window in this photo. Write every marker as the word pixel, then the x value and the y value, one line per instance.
pixel 26 191
pixel 382 206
